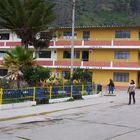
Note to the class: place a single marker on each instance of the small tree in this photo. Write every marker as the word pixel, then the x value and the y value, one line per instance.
pixel 34 74
pixel 82 75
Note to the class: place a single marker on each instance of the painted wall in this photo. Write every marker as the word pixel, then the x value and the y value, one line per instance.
pixel 109 55
pixel 103 76
pixel 101 55
pixel 102 33
pixel 60 54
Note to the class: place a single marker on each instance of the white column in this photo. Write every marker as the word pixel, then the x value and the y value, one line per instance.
pixel 53 62
pixel 81 63
pixel 54 44
pixel 112 42
pixel 82 42
pixel 4 43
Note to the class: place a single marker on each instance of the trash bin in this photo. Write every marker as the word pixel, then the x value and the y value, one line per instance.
pixel 99 88
pixel 42 100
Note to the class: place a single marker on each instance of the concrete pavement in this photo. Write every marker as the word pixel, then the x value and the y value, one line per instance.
pixel 49 108
pixel 96 118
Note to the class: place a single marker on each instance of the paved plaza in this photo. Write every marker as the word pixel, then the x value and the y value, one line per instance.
pixel 95 118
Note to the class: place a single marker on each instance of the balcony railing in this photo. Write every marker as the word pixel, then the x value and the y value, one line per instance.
pixel 91 64
pixel 81 43
pixel 10 43
pixel 96 43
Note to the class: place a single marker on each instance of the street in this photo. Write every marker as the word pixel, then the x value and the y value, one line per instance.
pixel 105 118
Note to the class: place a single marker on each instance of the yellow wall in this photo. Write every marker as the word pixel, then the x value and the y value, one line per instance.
pixel 103 76
pixel 109 54
pixel 60 54
pixel 102 33
pixel 101 55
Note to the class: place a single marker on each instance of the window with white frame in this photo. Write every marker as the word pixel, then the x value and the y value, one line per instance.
pixel 67 54
pixel 4 36
pixel 122 55
pixel 122 34
pixel 2 54
pixel 44 54
pixel 86 35
pixel 68 35
pixel 77 54
pixel 121 77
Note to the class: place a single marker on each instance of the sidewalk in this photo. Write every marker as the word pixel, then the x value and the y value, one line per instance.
pixel 50 108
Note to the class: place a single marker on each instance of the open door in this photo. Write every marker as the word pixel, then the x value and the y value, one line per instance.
pixel 85 55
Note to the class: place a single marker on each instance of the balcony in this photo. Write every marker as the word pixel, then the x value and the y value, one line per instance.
pixel 131 44
pixel 106 65
pixel 92 65
pixel 102 43
pixel 9 43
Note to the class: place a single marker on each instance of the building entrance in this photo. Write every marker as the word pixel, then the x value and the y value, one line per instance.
pixel 85 55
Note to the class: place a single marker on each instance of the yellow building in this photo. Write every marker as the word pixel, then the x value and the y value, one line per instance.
pixel 109 52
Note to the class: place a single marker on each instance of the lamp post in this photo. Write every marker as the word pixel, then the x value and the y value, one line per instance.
pixel 72 40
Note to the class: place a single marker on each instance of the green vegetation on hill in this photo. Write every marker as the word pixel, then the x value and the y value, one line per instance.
pixel 98 12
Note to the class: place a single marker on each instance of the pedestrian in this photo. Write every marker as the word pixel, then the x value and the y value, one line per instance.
pixel 131 91
pixel 111 86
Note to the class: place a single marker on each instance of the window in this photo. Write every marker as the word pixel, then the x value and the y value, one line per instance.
pixel 66 74
pixel 122 34
pixel 77 54
pixel 2 54
pixel 4 36
pixel 67 54
pixel 121 77
pixel 68 35
pixel 122 55
pixel 45 54
pixel 86 35
pixel 3 72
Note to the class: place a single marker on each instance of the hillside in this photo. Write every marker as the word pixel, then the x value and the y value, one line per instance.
pixel 98 12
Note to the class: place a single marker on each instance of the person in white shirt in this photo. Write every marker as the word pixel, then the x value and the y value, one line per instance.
pixel 131 91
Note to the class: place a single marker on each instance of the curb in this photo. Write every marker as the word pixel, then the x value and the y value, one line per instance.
pixel 43 113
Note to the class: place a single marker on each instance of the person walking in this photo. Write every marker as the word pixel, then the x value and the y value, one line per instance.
pixel 131 91
pixel 111 86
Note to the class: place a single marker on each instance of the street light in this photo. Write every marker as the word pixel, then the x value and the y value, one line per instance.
pixel 72 40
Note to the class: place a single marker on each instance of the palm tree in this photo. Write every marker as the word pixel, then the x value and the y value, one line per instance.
pixel 16 61
pixel 27 18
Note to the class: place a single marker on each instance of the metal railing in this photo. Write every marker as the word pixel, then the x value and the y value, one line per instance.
pixel 8 96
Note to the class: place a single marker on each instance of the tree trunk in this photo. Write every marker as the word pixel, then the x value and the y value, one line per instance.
pixel 18 82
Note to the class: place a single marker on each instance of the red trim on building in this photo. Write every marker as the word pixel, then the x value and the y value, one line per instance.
pixel 96 63
pixel 13 43
pixel 126 43
pixel 1 43
pixel 44 62
pixel 127 64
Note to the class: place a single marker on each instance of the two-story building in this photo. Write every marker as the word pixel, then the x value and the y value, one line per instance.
pixel 107 51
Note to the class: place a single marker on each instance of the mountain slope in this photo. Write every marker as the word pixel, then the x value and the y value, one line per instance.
pixel 98 12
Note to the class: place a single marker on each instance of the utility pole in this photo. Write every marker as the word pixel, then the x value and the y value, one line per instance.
pixel 72 40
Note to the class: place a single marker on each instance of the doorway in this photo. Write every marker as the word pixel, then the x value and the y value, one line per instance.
pixel 85 55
